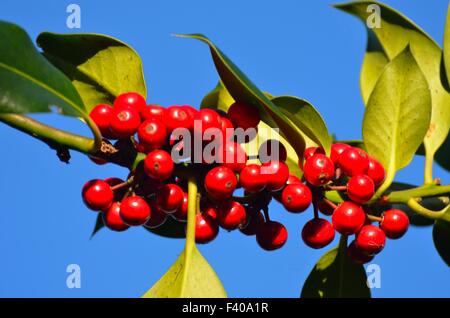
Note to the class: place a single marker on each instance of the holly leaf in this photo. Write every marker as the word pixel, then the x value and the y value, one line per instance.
pixel 441 238
pixel 395 33
pixel 242 89
pixel 336 276
pixel 398 114
pixel 220 98
pixel 99 224
pixel 28 82
pixel 100 67
pixel 189 277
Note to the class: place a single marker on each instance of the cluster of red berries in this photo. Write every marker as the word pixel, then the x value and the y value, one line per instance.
pixel 356 175
pixel 155 191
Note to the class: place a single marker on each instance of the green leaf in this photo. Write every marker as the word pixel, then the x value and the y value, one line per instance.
pixel 395 33
pixel 99 66
pixel 441 238
pixel 99 224
pixel 189 277
pixel 28 82
pixel 397 115
pixel 306 118
pixel 443 154
pixel 242 89
pixel 446 46
pixel 374 61
pixel 220 98
pixel 336 276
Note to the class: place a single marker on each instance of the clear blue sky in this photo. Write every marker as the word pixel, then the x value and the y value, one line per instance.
pixel 304 48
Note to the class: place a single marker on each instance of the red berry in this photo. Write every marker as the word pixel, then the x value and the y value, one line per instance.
pixel 271 235
pixel 101 115
pixel 134 211
pixel 124 122
pixel 370 239
pixel 170 197
pixel 181 213
pixel 158 217
pixel 254 220
pixel 119 193
pixel 318 233
pixel 276 174
pixel 220 182
pixel 206 228
pixel 243 115
pixel 394 223
pixel 348 218
pixel 336 150
pixel 112 219
pixel 152 134
pixel 205 119
pixel 191 111
pixel 293 179
pixel 251 178
pixel 318 170
pixel 357 255
pixel 296 197
pixel 227 129
pixel 152 112
pixel 325 208
pixel 272 149
pixel 148 186
pixel 231 215
pixel 376 171
pixel 177 117
pixel 97 195
pixel 354 161
pixel 232 155
pixel 130 100
pixel 158 164
pixel 209 209
pixel 311 151
pixel 360 188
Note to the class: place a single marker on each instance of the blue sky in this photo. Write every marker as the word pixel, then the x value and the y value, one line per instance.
pixel 303 48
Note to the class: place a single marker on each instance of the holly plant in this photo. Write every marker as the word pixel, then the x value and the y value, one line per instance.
pixel 183 164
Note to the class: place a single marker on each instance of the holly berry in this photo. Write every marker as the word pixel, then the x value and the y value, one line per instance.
pixel 254 220
pixel 272 150
pixel 148 186
pixel 220 182
pixel 348 218
pixel 158 164
pixel 357 255
pixel 119 193
pixel 209 209
pixel 232 155
pixel 101 115
pixel 112 220
pixel 97 195
pixel 271 235
pixel 124 122
pixel 276 174
pixel 251 178
pixel 293 179
pixel 227 129
pixel 244 115
pixel 205 119
pixel 336 150
pixel 134 211
pixel 177 117
pixel 354 161
pixel 360 189
pixel 130 100
pixel 325 208
pixel 170 197
pixel 231 215
pixel 206 228
pixel 318 170
pixel 157 218
pixel 318 233
pixel 152 112
pixel 181 213
pixel 296 197
pixel 152 134
pixel 376 171
pixel 370 239
pixel 394 223
pixel 311 151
